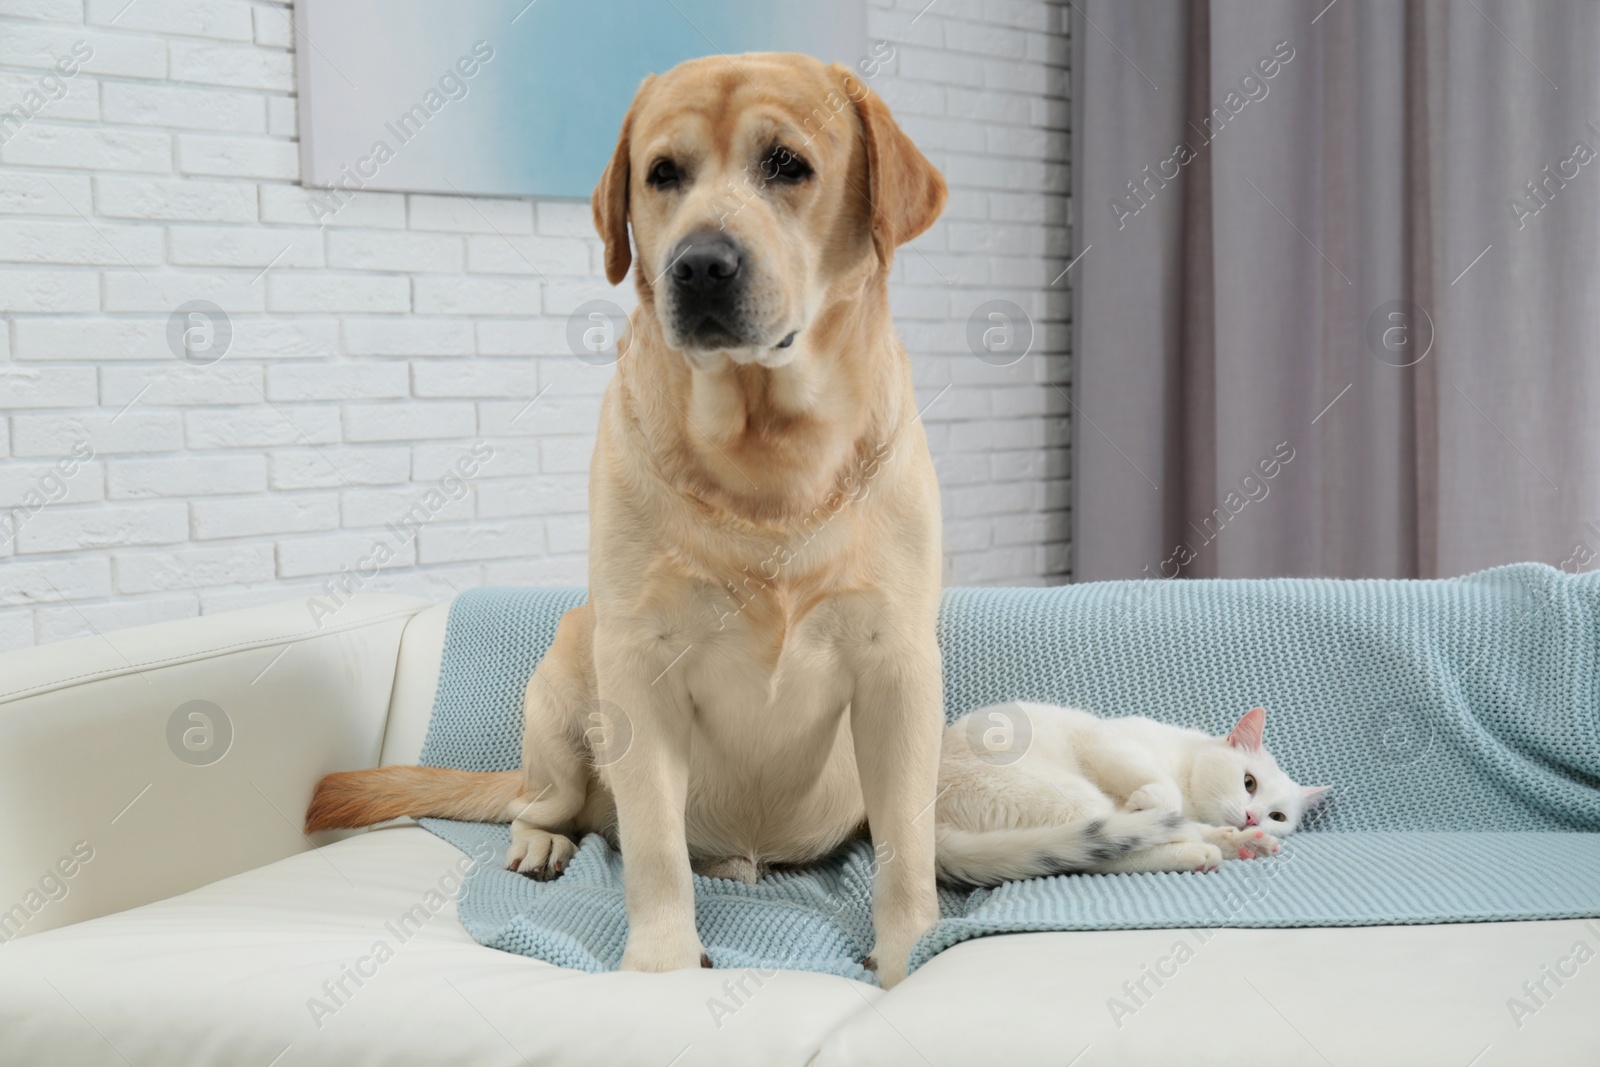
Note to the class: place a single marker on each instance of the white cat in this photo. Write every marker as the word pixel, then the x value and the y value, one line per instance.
pixel 1028 790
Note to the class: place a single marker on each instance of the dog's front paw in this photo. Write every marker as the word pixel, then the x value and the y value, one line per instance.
pixel 889 962
pixel 538 853
pixel 657 952
pixel 1157 796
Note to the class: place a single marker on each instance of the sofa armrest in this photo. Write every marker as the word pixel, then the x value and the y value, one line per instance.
pixel 142 763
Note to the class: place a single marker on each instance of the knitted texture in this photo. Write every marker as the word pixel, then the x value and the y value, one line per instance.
pixel 1452 718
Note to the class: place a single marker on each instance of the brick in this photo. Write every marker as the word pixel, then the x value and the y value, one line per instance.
pixel 216 246
pixel 408 336
pixel 480 540
pixel 337 292
pixel 566 533
pixel 180 384
pixel 565 455
pixel 298 206
pixel 238 157
pixel 214 601
pixel 274 27
pixel 28 241
pixel 185 476
pixel 473 378
pixel 114 54
pixel 104 526
pixel 507 457
pixel 343 381
pixel 300 557
pixel 408 422
pixel 263 426
pixel 48 291
pixel 546 495
pixel 53 10
pixel 564 297
pixel 221 19
pixel 163 292
pixel 332 468
pixel 523 337
pixel 91 148
pixel 77 97
pixel 258 516
pixel 86 339
pixel 426 502
pixel 476 296
pixel 549 571
pixel 241 68
pixel 190 201
pixel 565 218
pixel 281 119
pixel 66 480
pixel 416 252
pixel 104 620
pixel 109 432
pixel 470 214
pixel 44 194
pixel 440 584
pixel 47 581
pixel 46 387
pixel 182 107
pixel 278 338
pixel 552 414
pixel 542 256
pixel 16 629
pixel 194 567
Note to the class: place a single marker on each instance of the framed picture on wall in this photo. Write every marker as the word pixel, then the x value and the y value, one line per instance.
pixel 512 97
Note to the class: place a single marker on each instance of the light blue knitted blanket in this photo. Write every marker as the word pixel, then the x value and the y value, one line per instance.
pixel 1458 721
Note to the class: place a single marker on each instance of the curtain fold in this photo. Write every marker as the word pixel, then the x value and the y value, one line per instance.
pixel 1340 281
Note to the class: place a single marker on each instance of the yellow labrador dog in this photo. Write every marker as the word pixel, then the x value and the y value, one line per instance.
pixel 764 561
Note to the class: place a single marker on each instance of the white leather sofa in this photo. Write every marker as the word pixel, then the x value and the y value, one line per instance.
pixel 163 909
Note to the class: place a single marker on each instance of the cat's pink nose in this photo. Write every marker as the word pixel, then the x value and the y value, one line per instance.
pixel 1250 818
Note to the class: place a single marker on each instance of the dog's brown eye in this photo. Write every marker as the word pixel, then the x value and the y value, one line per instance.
pixel 664 174
pixel 782 165
pixel 1279 816
pixel 1250 784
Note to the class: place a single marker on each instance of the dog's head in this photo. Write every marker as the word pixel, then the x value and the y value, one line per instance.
pixel 761 188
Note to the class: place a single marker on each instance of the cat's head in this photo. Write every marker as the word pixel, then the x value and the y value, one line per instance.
pixel 1236 782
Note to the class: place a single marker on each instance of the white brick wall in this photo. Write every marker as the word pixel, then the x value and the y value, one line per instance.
pixel 370 354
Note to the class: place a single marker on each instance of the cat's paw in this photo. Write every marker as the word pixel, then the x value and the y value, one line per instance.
pixel 1157 796
pixel 1199 857
pixel 1245 844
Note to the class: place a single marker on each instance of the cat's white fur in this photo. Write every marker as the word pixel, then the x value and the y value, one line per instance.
pixel 1105 795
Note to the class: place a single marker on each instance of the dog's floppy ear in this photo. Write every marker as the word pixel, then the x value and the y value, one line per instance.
pixel 907 191
pixel 610 200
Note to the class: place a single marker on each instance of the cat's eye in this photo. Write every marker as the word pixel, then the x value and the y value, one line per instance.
pixel 1250 784
pixel 1279 816
pixel 664 175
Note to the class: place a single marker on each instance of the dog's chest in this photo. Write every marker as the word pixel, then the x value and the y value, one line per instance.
pixel 772 768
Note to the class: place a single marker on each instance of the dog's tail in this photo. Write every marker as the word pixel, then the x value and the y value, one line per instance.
pixel 989 857
pixel 360 798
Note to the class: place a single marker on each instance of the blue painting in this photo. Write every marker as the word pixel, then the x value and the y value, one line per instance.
pixel 508 97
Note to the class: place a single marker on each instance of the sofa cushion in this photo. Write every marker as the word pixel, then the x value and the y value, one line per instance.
pixel 1408 996
pixel 248 971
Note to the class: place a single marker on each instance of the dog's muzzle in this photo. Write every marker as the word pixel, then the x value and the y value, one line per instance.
pixel 707 288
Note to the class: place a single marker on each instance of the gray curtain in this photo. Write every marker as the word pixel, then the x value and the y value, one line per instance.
pixel 1337 304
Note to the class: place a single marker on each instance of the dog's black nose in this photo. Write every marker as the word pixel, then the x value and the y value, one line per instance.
pixel 705 263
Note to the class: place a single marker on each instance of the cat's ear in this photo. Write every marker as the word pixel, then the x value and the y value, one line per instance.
pixel 1246 733
pixel 1311 794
